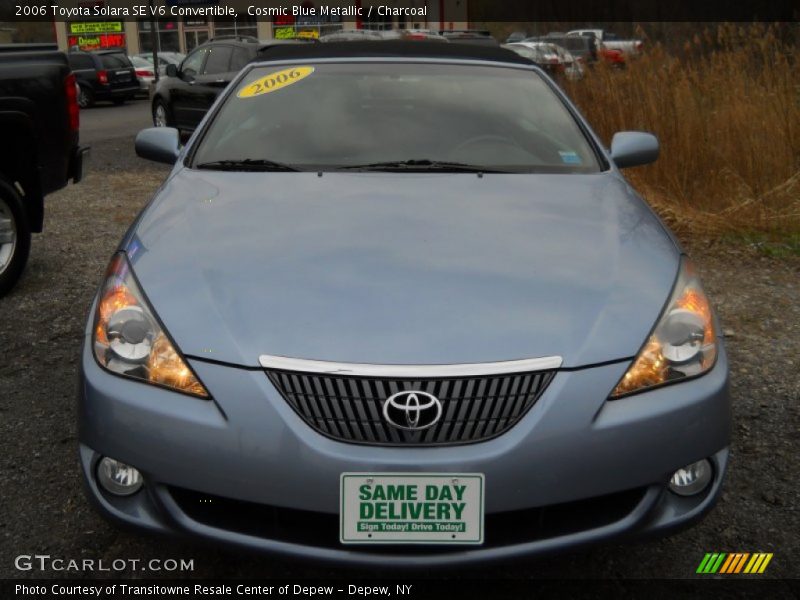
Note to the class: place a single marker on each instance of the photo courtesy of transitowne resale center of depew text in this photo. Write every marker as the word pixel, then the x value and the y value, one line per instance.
pixel 411 299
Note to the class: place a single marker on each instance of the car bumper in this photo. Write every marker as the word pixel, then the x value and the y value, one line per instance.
pixel 145 83
pixel 117 92
pixel 575 470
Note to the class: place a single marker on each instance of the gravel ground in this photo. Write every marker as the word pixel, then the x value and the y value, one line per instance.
pixel 43 511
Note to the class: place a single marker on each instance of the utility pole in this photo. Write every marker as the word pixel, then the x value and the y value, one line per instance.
pixel 154 40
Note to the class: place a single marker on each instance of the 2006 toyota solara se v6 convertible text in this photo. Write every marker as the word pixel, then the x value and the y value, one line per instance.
pixel 395 304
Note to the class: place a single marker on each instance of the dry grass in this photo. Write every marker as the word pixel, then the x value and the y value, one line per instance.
pixel 727 112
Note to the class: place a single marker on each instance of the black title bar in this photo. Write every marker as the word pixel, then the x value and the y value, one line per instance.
pixel 474 11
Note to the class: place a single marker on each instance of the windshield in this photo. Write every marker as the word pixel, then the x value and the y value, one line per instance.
pixel 116 60
pixel 421 116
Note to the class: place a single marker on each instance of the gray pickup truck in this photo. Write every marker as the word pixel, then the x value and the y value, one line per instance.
pixel 40 153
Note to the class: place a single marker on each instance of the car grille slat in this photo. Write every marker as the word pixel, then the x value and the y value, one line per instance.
pixel 338 408
pixel 449 410
pixel 350 408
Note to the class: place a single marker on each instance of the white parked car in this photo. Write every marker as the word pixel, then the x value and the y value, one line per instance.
pixel 610 40
pixel 551 57
pixel 144 72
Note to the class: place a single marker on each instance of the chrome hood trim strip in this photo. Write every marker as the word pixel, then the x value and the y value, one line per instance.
pixel 283 363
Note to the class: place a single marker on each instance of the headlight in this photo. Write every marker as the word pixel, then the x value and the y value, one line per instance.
pixel 128 339
pixel 683 343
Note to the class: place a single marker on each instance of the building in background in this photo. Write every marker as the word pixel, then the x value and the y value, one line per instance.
pixel 179 34
pixel 27 32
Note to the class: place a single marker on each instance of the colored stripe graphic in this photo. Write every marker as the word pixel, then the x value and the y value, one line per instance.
pixel 757 566
pixel 739 559
pixel 764 564
pixel 749 567
pixel 741 562
pixel 732 560
pixel 717 564
pixel 703 563
pixel 734 563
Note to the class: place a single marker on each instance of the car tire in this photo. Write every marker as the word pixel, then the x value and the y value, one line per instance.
pixel 15 237
pixel 85 97
pixel 162 117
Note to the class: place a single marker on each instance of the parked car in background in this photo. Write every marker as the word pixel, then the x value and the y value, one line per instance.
pixel 470 36
pixel 182 98
pixel 421 35
pixel 516 36
pixel 556 61
pixel 573 67
pixel 543 54
pixel 103 75
pixel 145 72
pixel 610 40
pixel 164 59
pixel 612 56
pixel 585 47
pixel 581 47
pixel 39 153
pixel 391 34
pixel 552 58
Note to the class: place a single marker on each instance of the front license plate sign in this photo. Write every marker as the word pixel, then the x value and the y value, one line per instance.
pixel 411 508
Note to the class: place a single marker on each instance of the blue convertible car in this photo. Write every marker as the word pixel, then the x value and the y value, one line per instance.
pixel 396 304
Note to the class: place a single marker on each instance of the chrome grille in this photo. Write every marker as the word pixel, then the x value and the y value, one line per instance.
pixel 349 408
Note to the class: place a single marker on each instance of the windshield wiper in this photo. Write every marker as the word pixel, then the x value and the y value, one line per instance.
pixel 246 164
pixel 422 164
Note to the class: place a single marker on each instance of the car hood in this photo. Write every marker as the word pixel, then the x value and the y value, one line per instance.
pixel 403 268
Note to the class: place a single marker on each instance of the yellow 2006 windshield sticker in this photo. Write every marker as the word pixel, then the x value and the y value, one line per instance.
pixel 275 81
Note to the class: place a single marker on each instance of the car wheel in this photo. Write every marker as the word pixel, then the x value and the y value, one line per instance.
pixel 15 237
pixel 85 97
pixel 161 115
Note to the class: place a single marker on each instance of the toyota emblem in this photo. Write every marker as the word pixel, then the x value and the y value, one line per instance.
pixel 412 410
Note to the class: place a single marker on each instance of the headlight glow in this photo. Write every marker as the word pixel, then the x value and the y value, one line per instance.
pixel 683 343
pixel 128 339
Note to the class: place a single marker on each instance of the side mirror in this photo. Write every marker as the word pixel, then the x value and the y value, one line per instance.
pixel 159 144
pixel 172 70
pixel 633 148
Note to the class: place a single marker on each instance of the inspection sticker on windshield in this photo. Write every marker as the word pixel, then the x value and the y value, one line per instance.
pixel 411 508
pixel 275 81
pixel 569 157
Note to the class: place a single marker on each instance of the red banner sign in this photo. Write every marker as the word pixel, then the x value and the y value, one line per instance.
pixel 98 41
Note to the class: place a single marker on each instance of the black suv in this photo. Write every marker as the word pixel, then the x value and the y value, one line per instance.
pixel 103 75
pixel 183 97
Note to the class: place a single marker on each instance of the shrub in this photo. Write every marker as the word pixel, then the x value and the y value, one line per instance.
pixel 726 109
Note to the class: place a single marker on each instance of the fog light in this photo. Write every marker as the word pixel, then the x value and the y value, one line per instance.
pixel 118 478
pixel 691 479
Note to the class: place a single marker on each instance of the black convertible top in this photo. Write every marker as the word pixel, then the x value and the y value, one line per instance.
pixel 392 48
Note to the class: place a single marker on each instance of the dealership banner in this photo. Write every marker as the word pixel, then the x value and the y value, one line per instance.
pixel 428 10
